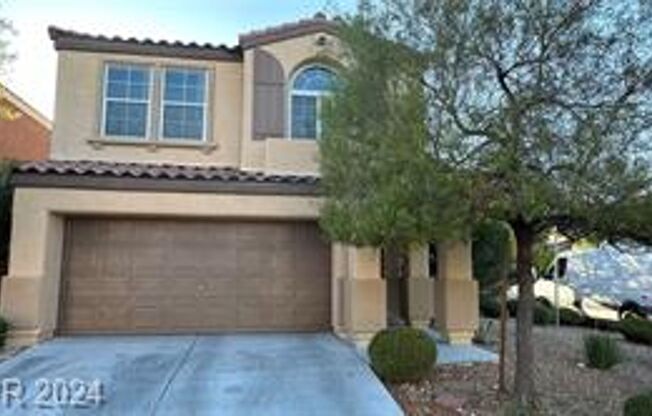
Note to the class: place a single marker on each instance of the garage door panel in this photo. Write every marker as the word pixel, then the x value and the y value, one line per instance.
pixel 98 301
pixel 98 317
pixel 282 286
pixel 252 287
pixel 220 286
pixel 161 276
pixel 90 285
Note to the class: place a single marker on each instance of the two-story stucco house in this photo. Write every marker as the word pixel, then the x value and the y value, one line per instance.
pixel 181 195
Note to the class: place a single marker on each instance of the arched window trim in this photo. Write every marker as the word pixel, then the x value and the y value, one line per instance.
pixel 292 92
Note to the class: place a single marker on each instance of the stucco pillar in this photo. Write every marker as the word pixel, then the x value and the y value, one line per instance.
pixel 456 292
pixel 420 287
pixel 361 296
pixel 30 292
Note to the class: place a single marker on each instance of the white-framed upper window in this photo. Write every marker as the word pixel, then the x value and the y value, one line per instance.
pixel 308 89
pixel 184 104
pixel 126 103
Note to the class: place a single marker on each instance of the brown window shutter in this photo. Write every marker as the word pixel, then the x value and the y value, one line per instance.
pixel 269 97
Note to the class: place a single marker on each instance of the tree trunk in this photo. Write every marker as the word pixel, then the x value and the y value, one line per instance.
pixel 395 272
pixel 524 378
pixel 502 384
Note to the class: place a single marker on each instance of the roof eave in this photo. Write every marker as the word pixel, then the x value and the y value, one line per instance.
pixel 72 181
pixel 66 40
pixel 259 38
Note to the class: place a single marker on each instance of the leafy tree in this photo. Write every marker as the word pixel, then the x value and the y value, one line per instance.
pixel 543 257
pixel 537 113
pixel 493 252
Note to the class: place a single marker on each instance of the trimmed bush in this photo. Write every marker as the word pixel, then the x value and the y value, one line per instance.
pixel 601 352
pixel 402 354
pixel 638 405
pixel 489 307
pixel 636 330
pixel 543 314
pixel 568 316
pixel 4 328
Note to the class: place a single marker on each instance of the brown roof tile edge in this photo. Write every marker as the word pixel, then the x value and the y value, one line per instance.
pixel 159 177
pixel 71 40
pixel 319 23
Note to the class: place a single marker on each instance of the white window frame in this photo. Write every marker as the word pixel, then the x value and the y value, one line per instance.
pixel 106 100
pixel 204 105
pixel 319 95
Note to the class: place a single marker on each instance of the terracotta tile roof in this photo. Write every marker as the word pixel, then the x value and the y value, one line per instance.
pixel 318 23
pixel 71 40
pixel 159 172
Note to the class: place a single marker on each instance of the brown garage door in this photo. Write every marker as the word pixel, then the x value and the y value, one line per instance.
pixel 162 276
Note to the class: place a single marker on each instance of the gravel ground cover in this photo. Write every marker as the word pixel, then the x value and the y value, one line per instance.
pixel 565 386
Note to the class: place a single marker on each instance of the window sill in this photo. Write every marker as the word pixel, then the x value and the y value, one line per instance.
pixel 154 145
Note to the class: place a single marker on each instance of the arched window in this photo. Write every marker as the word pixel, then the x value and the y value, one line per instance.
pixel 309 87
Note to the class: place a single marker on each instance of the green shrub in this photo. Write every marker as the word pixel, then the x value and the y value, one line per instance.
pixel 402 354
pixel 568 316
pixel 639 405
pixel 4 328
pixel 603 325
pixel 601 351
pixel 543 314
pixel 489 306
pixel 636 330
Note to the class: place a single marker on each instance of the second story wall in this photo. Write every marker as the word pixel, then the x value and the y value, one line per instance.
pixel 271 146
pixel 245 110
pixel 80 109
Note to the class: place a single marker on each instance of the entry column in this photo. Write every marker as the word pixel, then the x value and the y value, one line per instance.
pixel 456 292
pixel 361 300
pixel 419 287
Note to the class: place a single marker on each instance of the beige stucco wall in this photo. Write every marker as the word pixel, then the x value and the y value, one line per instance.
pixel 30 293
pixel 78 112
pixel 283 154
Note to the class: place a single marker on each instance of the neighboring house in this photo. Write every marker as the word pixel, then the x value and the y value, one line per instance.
pixel 24 132
pixel 181 196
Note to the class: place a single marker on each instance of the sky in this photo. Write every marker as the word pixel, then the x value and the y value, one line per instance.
pixel 32 74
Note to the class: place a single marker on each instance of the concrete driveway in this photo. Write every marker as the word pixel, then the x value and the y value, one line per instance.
pixel 275 374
